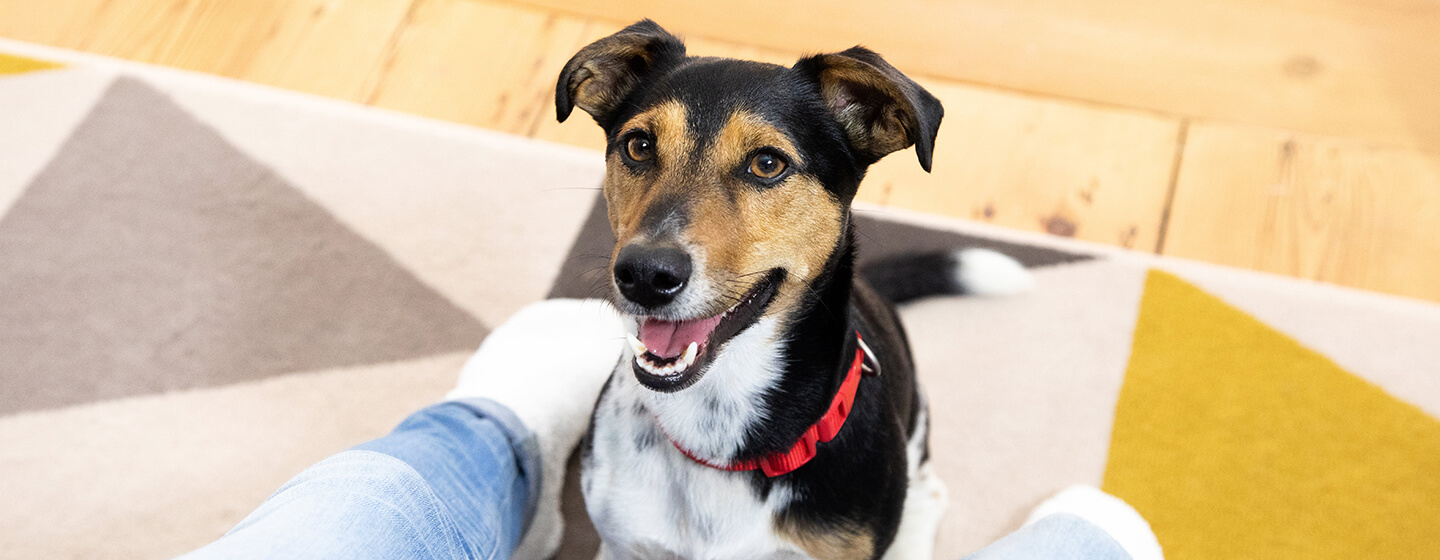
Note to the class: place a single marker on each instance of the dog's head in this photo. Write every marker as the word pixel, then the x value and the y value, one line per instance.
pixel 729 182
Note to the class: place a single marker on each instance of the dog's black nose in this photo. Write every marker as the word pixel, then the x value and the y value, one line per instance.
pixel 651 276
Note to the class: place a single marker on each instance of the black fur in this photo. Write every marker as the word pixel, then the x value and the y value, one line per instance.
pixel 903 278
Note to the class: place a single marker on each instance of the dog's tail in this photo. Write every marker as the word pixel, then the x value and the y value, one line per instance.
pixel 979 272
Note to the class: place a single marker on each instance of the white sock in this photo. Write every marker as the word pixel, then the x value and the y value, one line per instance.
pixel 547 364
pixel 1111 514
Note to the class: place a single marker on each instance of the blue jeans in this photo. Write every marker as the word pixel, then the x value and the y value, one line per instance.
pixel 1060 536
pixel 456 480
pixel 459 480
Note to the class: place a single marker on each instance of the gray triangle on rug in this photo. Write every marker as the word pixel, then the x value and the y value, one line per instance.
pixel 152 255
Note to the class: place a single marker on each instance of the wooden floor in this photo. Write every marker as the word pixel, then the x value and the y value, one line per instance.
pixel 1292 136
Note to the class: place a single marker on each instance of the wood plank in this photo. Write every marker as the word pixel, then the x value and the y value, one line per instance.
pixel 481 63
pixel 318 46
pixel 321 46
pixel 1041 165
pixel 1363 68
pixel 1329 209
pixel 579 129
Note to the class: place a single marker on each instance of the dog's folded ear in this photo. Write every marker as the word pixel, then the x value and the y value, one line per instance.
pixel 600 76
pixel 881 110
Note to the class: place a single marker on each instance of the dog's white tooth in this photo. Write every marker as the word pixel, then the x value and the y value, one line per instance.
pixel 689 356
pixel 636 345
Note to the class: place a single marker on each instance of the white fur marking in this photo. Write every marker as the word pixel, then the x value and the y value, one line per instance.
pixel 653 502
pixel 925 502
pixel 739 375
pixel 983 272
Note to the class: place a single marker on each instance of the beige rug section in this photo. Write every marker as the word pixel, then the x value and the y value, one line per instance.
pixel 156 476
pixel 484 218
pixel 1022 392
pixel 31 133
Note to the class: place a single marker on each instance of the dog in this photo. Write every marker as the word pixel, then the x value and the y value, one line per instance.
pixel 767 405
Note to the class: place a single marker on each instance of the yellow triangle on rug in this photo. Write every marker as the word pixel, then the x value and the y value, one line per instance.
pixel 10 64
pixel 1235 441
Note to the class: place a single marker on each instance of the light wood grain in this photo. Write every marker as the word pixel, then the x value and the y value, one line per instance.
pixel 1362 68
pixel 1040 165
pixel 481 63
pixel 1329 209
pixel 325 47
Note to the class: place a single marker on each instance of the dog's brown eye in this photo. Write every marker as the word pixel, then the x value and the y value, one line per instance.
pixel 639 148
pixel 766 166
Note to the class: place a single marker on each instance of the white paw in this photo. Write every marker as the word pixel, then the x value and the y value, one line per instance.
pixel 925 503
pixel 552 343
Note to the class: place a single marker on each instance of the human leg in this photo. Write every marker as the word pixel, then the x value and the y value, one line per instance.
pixel 1060 536
pixel 459 479
pixel 450 482
pixel 1079 523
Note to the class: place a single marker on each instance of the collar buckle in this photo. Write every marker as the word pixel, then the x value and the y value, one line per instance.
pixel 871 365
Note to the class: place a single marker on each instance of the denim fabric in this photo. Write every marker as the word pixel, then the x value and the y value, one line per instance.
pixel 1060 536
pixel 457 480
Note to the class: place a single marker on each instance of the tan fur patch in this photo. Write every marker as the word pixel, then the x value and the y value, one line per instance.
pixel 746 131
pixel 792 225
pixel 605 75
pixel 627 196
pixel 738 229
pixel 827 544
pixel 842 82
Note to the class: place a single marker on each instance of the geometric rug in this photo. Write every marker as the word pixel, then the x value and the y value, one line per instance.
pixel 1277 448
pixel 206 286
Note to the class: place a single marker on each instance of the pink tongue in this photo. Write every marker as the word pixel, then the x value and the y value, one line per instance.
pixel 668 339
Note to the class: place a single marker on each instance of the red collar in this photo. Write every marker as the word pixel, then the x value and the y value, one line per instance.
pixel 824 430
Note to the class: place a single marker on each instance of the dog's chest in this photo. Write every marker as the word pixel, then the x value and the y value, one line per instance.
pixel 649 501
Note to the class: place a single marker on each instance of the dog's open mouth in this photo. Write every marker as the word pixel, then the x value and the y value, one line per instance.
pixel 672 355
